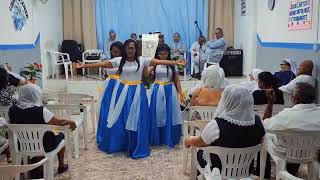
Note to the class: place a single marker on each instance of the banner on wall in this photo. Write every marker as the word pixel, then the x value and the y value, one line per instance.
pixel 300 15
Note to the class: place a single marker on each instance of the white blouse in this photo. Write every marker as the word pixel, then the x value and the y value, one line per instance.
pixel 129 70
pixel 163 75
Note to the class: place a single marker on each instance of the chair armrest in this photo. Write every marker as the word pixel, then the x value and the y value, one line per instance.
pixel 286 176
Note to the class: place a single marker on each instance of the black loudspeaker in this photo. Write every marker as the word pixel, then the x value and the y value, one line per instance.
pixel 232 62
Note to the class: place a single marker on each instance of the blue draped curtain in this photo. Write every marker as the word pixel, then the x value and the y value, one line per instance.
pixel 144 16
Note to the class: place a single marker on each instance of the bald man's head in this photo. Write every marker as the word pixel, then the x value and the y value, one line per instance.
pixel 306 68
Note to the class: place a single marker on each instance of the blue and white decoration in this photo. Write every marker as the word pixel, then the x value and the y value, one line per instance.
pixel 19 14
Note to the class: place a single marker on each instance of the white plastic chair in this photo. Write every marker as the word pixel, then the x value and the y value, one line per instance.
pixel 207 114
pixel 284 175
pixel 4 110
pixel 7 172
pixel 58 59
pixel 4 114
pixel 235 161
pixel 76 99
pixel 27 140
pixel 68 112
pixel 210 56
pixel 95 52
pixel 294 147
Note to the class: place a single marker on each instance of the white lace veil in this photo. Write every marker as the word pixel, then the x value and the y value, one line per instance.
pixel 236 106
pixel 30 95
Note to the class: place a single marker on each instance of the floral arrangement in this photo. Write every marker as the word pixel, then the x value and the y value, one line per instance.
pixel 32 71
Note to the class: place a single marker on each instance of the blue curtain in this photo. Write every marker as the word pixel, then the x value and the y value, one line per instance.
pixel 144 16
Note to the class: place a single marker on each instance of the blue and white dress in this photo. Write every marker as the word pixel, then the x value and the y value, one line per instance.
pixel 128 124
pixel 165 109
pixel 108 88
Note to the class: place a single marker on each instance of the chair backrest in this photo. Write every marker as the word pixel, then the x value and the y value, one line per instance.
pixel 7 172
pixel 235 161
pixel 4 110
pixel 300 146
pixel 30 137
pixel 67 98
pixel 64 111
pixel 206 112
pixel 92 52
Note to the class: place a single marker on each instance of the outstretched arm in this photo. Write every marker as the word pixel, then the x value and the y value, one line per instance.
pixel 155 62
pixel 178 85
pixel 105 64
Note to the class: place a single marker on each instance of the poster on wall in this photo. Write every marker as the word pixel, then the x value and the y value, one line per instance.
pixel 300 15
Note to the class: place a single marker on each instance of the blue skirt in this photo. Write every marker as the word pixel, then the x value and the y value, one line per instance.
pixel 117 138
pixel 103 115
pixel 170 132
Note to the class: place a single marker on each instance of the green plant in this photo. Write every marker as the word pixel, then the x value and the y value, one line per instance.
pixel 32 71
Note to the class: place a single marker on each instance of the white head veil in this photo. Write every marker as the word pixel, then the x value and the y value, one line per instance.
pixel 30 95
pixel 211 77
pixel 255 73
pixel 236 106
pixel 293 66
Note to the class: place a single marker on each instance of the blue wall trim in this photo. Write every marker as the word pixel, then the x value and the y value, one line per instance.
pixel 286 45
pixel 21 46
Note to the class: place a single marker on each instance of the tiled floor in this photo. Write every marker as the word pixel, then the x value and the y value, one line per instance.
pixel 163 163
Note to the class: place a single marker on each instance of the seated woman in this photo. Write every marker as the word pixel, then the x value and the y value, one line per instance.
pixel 286 74
pixel 267 81
pixel 235 126
pixel 6 94
pixel 29 110
pixel 210 93
pixel 252 84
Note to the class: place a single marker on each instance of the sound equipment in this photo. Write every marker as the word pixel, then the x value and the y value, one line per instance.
pixel 232 62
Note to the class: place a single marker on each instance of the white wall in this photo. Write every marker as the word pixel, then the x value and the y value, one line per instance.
pixel 245 30
pixel 9 35
pixel 273 25
pixel 50 24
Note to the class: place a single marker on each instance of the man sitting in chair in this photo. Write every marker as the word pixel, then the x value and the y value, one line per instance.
pixel 304 116
pixel 215 48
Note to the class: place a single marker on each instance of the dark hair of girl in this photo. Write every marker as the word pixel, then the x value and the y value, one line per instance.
pixel 268 79
pixel 118 45
pixel 164 47
pixel 125 56
pixel 3 79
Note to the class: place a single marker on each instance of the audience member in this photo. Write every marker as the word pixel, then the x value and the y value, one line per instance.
pixel 210 93
pixel 304 75
pixel 215 46
pixel 161 39
pixel 111 39
pixel 266 81
pixel 285 75
pixel 29 110
pixel 134 36
pixel 6 94
pixel 304 116
pixel 224 82
pixel 234 126
pixel 197 50
pixel 252 84
pixel 177 47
